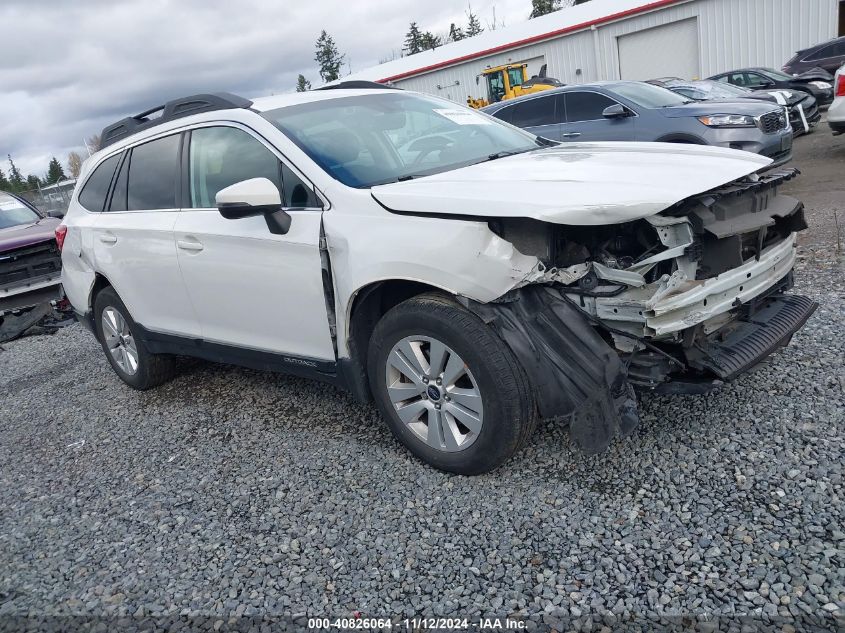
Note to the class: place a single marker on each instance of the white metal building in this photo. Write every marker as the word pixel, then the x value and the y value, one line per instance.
pixel 623 39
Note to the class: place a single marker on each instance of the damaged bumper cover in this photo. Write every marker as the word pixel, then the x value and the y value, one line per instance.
pixel 573 370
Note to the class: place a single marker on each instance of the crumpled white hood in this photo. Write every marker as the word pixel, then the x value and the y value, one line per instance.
pixel 575 183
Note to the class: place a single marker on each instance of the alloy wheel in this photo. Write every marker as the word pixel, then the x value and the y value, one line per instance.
pixel 119 340
pixel 434 393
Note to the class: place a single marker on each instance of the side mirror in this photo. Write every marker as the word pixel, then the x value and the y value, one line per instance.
pixel 55 213
pixel 615 111
pixel 256 196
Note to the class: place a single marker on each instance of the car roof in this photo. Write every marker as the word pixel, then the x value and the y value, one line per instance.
pixel 820 45
pixel 263 104
pixel 608 85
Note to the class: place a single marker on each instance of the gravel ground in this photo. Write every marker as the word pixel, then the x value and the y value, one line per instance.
pixel 229 492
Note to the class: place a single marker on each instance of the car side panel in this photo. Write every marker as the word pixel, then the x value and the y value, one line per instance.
pixel 136 252
pixel 368 244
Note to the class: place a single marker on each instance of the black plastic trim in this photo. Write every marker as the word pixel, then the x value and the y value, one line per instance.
pixel 160 343
pixel 170 111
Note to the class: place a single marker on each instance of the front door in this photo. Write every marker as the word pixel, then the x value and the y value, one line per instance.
pixel 249 287
pixel 585 122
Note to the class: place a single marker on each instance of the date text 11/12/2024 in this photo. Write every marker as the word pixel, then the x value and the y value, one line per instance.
pixel 416 624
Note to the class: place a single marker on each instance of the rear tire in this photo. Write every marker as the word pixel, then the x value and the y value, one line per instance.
pixel 449 388
pixel 126 353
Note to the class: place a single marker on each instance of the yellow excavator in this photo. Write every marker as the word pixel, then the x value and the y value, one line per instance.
pixel 510 81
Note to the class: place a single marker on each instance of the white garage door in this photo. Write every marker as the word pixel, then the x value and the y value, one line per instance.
pixel 670 50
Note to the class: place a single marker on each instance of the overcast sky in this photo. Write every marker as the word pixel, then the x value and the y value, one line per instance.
pixel 69 68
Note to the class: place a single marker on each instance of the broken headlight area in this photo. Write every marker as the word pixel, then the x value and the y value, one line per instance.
pixel 692 295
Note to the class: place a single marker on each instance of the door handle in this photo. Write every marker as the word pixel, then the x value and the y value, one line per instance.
pixel 186 245
pixel 108 238
pixel 571 135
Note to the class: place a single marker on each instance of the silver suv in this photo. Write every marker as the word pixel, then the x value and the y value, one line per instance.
pixel 636 111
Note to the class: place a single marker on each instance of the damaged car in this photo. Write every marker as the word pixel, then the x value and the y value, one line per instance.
pixel 466 276
pixel 30 267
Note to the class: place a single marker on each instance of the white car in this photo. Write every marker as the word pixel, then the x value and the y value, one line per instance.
pixel 470 284
pixel 836 112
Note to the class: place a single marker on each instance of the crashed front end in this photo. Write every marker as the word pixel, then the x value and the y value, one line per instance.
pixel 689 297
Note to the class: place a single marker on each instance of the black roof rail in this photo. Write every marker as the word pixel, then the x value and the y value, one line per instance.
pixel 358 84
pixel 174 109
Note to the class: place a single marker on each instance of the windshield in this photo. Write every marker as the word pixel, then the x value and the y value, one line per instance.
pixel 649 96
pixel 776 74
pixel 374 139
pixel 13 212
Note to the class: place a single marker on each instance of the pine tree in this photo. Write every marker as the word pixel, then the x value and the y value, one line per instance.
pixel 55 173
pixel 456 33
pixel 4 182
pixel 429 41
pixel 328 58
pixel 32 182
pixel 543 7
pixel 302 84
pixel 473 24
pixel 15 179
pixel 413 40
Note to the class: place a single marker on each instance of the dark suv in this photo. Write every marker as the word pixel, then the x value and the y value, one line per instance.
pixel 828 55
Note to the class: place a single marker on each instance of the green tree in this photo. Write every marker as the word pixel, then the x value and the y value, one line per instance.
pixel 302 84
pixel 456 33
pixel 55 173
pixel 413 40
pixel 4 182
pixel 543 7
pixel 328 58
pixel 429 41
pixel 16 182
pixel 32 182
pixel 473 24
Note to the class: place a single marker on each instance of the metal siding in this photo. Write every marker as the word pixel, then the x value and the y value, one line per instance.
pixel 731 34
pixel 637 59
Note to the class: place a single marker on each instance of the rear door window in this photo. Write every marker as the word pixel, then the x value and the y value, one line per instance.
pixel 93 194
pixel 534 112
pixel 153 175
pixel 586 106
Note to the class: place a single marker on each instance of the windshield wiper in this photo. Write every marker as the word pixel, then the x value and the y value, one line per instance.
pixel 502 154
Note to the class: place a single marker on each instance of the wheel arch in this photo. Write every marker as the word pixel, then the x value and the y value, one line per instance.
pixel 366 306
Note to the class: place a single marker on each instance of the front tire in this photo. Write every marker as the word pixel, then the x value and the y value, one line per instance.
pixel 118 334
pixel 449 388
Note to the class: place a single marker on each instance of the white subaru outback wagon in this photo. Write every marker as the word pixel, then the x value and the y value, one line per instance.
pixel 469 277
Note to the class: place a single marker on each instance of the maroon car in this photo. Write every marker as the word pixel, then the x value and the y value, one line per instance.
pixel 30 266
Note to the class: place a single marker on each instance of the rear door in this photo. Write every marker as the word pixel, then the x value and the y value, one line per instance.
pixel 251 288
pixel 537 115
pixel 133 237
pixel 585 122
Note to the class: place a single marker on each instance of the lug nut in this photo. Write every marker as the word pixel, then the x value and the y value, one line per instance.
pixel 437 406
pixel 447 399
pixel 425 380
pixel 439 382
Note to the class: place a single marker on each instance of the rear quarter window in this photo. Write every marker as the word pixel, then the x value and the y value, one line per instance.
pixel 96 188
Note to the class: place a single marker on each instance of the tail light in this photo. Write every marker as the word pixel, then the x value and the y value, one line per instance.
pixel 61 233
pixel 840 85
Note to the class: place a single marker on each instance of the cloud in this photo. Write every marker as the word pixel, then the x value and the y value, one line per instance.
pixel 70 69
